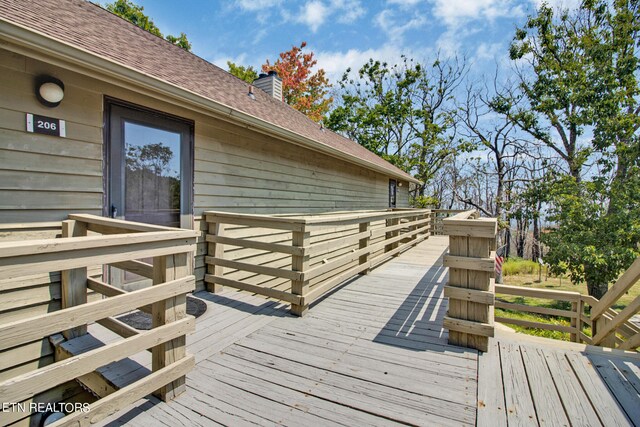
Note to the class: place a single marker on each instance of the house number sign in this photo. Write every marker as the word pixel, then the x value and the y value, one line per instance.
pixel 46 125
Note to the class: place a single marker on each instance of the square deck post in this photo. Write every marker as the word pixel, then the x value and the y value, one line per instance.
pixel 300 263
pixel 471 262
pixel 73 282
pixel 167 268
pixel 215 249
pixel 364 243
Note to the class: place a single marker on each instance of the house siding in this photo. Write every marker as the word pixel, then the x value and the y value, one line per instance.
pixel 44 178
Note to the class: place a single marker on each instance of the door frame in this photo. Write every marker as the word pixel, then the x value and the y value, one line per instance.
pixel 393 183
pixel 155 118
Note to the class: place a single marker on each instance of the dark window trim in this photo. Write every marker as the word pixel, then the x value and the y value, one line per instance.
pixel 156 118
pixel 393 202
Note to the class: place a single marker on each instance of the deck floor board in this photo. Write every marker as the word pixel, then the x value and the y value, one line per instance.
pixel 374 352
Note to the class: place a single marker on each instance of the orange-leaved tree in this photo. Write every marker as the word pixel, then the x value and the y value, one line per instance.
pixel 304 90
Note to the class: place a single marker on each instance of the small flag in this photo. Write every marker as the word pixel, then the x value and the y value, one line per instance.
pixel 499 261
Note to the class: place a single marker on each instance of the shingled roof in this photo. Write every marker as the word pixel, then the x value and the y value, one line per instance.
pixel 91 29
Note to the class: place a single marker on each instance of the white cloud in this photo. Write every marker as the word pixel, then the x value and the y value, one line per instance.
pixel 335 63
pixel 313 14
pixel 489 51
pixel 458 17
pixel 221 60
pixel 455 13
pixel 349 10
pixel 404 3
pixel 395 23
pixel 256 5
pixel 558 4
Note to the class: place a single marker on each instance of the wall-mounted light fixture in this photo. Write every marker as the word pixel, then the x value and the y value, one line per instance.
pixel 399 184
pixel 49 91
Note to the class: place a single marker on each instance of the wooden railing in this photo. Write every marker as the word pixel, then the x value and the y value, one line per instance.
pixel 612 328
pixel 297 259
pixel 89 241
pixel 591 321
pixel 472 296
pixel 471 262
pixel 574 313
pixel 437 216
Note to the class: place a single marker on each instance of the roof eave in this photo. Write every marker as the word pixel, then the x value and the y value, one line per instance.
pixel 49 47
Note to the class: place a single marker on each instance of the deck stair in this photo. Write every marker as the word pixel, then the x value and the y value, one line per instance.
pixel 106 379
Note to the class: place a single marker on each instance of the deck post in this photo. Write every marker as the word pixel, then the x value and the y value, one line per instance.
pixel 74 281
pixel 413 227
pixel 396 233
pixel 167 268
pixel 576 322
pixel 300 263
pixel 471 267
pixel 215 250
pixel 602 323
pixel 364 243
pixel 434 222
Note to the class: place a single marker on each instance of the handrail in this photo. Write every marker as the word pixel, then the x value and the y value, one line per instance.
pixel 324 250
pixel 438 215
pixel 122 244
pixel 622 285
pixel 610 327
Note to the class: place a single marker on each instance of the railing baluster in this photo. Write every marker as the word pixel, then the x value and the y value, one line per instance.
pixel 364 243
pixel 300 263
pixel 215 250
pixel 74 281
pixel 167 268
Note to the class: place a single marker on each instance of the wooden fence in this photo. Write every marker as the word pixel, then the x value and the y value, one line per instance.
pixel 470 290
pixel 297 259
pixel 591 321
pixel 573 313
pixel 89 241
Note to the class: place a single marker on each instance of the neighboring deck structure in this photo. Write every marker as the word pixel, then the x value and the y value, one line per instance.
pixel 374 352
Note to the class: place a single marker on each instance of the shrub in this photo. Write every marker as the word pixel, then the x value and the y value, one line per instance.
pixel 515 266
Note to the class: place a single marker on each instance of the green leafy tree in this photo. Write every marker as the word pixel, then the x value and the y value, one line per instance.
pixel 134 13
pixel 584 82
pixel 403 113
pixel 248 74
pixel 180 41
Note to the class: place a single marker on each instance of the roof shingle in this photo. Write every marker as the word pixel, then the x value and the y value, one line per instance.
pixel 86 26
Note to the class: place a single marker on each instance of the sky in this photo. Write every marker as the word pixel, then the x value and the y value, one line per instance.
pixel 346 33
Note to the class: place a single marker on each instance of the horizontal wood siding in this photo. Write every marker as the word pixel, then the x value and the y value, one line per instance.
pixel 242 171
pixel 44 178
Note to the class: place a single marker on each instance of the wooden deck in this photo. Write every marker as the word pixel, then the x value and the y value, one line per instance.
pixel 374 353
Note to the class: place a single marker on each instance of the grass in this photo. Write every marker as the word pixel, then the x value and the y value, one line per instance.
pixel 519 266
pixel 518 272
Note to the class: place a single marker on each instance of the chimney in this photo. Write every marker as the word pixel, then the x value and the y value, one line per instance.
pixel 270 83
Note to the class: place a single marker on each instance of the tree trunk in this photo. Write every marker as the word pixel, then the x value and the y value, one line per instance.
pixel 597 290
pixel 507 242
pixel 521 237
pixel 535 245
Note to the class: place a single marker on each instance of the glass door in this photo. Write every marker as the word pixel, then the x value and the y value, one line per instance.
pixel 150 176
